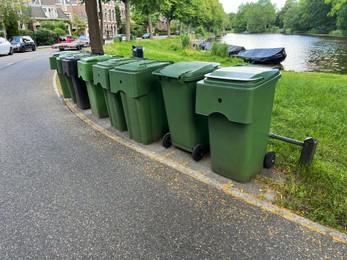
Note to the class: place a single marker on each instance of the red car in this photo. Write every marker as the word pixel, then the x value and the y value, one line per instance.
pixel 65 39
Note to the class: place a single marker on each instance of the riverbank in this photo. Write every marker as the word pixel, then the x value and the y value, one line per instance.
pixel 306 104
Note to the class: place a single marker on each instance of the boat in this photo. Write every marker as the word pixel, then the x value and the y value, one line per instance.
pixel 234 49
pixel 263 56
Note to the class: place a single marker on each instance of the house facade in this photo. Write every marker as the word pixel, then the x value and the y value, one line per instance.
pixel 64 10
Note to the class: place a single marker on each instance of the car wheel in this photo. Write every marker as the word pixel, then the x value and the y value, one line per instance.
pixel 33 48
pixel 22 49
pixel 11 51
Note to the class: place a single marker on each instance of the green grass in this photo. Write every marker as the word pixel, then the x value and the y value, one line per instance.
pixel 169 49
pixel 306 104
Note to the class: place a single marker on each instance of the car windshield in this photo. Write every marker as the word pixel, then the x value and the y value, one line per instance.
pixel 15 39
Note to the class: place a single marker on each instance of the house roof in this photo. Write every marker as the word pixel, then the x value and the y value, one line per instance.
pixel 37 12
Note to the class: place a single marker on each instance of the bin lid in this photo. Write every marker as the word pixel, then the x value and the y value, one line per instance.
pixel 245 75
pixel 141 66
pixel 187 71
pixel 114 62
pixel 77 56
pixel 94 59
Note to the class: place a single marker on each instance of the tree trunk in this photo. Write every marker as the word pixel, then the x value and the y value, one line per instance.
pixel 168 21
pixel 150 27
pixel 127 19
pixel 94 29
pixel 101 16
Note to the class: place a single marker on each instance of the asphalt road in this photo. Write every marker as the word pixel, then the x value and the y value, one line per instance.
pixel 68 192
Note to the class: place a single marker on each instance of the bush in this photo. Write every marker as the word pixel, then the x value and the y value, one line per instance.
pixel 59 32
pixel 27 33
pixel 220 50
pixel 199 32
pixel 45 37
pixel 185 41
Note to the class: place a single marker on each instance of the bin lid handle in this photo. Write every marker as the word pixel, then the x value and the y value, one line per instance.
pixel 230 78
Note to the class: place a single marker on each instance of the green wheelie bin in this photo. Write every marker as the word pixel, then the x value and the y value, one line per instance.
pixel 188 130
pixel 95 91
pixel 142 99
pixel 238 102
pixel 113 100
pixel 55 64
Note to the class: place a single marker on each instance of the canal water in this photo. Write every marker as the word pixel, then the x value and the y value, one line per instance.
pixel 304 53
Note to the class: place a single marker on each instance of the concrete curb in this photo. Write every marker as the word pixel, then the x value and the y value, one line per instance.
pixel 182 162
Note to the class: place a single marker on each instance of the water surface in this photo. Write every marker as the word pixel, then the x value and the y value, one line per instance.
pixel 304 53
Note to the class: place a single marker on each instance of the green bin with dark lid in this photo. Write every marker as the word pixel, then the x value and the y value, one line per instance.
pixel 113 100
pixel 238 102
pixel 95 91
pixel 142 99
pixel 78 84
pixel 188 130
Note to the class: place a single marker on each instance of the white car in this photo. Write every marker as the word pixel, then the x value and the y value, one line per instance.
pixel 5 47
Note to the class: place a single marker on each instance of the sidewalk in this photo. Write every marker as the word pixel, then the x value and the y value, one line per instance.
pixel 251 192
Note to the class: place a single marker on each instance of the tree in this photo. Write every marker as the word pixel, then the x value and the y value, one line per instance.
pixel 282 12
pixel 336 5
pixel 148 8
pixel 169 11
pixel 118 17
pixel 314 16
pixel 127 18
pixel 12 12
pixel 79 24
pixel 241 18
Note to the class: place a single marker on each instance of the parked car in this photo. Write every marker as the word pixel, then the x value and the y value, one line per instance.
pixel 146 36
pixel 84 39
pixel 22 43
pixel 5 47
pixel 75 45
pixel 65 39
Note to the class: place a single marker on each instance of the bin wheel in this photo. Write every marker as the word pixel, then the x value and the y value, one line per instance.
pixel 269 159
pixel 167 140
pixel 199 151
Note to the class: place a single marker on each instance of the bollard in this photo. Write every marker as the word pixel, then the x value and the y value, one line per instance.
pixel 308 150
pixel 308 147
pixel 138 51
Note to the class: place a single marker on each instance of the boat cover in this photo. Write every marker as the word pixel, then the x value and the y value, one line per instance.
pixel 262 55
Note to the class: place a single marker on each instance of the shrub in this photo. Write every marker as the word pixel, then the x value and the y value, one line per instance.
pixel 199 32
pixel 59 32
pixel 45 37
pixel 185 41
pixel 220 49
pixel 27 33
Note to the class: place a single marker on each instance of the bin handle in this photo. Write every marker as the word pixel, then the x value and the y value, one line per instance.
pixel 238 79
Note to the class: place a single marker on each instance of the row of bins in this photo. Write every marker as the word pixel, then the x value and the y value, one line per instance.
pixel 195 106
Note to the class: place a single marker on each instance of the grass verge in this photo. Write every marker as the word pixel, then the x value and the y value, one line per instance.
pixel 306 104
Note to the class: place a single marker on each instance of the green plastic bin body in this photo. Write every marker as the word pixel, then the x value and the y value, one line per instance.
pixel 238 102
pixel 66 82
pixel 113 100
pixel 95 91
pixel 178 81
pixel 142 99
pixel 62 79
pixel 117 39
